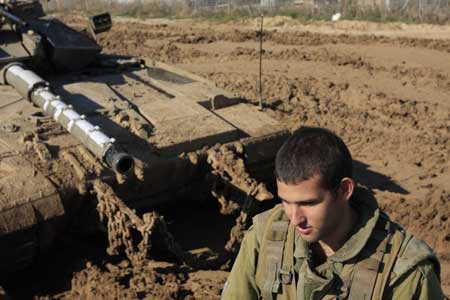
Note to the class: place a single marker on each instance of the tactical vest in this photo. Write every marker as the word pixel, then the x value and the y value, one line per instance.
pixel 389 253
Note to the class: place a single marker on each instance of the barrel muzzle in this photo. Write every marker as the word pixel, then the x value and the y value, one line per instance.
pixel 118 160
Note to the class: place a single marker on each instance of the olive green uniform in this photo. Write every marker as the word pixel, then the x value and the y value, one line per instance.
pixel 407 268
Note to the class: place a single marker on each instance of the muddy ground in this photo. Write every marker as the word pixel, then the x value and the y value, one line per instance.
pixel 384 88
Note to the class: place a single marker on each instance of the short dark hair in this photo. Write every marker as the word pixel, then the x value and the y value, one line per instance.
pixel 311 151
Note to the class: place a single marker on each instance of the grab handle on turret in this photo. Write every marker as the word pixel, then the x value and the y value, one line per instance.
pixel 36 90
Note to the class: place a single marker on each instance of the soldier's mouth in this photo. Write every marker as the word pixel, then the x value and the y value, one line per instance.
pixel 304 230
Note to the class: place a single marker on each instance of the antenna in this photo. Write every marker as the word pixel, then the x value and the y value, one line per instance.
pixel 261 38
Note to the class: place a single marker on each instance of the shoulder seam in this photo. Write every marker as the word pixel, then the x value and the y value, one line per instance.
pixel 414 254
pixel 421 268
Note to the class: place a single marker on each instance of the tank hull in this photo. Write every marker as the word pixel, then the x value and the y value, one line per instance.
pixel 166 119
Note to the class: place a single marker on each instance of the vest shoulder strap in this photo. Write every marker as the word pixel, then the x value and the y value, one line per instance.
pixel 260 222
pixel 412 253
pixel 276 241
pixel 397 254
pixel 366 282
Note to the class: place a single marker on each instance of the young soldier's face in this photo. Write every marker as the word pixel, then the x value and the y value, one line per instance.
pixel 315 211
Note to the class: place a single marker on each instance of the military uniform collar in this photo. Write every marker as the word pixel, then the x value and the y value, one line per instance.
pixel 301 249
pixel 368 212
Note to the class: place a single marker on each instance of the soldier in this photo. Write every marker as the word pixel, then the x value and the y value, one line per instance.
pixel 328 239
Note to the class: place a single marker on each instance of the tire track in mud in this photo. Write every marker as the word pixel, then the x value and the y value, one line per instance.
pixel 311 39
pixel 196 35
pixel 169 53
pixel 140 40
pixel 141 43
pixel 415 76
pixel 322 95
pixel 316 39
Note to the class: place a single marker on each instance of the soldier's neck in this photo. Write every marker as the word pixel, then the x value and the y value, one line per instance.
pixel 340 235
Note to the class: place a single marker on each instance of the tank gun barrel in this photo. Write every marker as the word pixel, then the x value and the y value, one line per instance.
pixel 12 18
pixel 36 90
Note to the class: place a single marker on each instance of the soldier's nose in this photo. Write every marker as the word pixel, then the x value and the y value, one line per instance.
pixel 297 217
pixel 296 221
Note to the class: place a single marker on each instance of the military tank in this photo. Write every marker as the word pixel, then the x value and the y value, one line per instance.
pixel 122 137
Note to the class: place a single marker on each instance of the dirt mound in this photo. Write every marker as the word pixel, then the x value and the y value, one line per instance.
pixel 427 217
pixel 151 281
pixel 415 76
pixel 145 44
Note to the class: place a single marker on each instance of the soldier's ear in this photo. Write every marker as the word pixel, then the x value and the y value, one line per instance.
pixel 346 188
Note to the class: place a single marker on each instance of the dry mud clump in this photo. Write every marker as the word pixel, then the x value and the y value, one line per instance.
pixel 386 96
pixel 93 283
pixel 147 281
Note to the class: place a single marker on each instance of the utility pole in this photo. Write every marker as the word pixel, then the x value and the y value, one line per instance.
pixel 45 4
